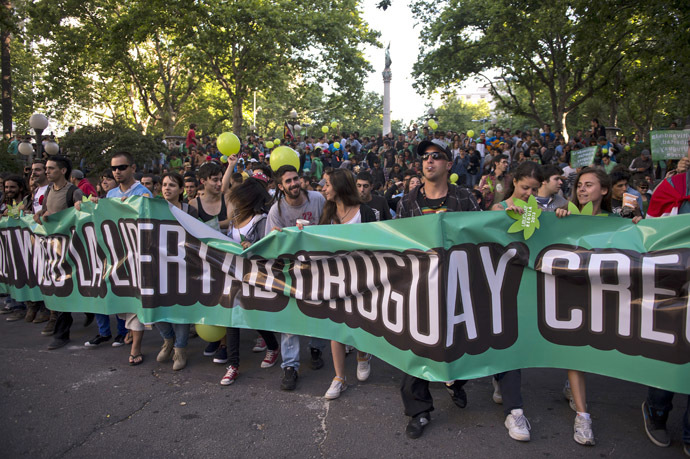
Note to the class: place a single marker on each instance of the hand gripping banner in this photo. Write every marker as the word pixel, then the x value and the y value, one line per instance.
pixel 442 297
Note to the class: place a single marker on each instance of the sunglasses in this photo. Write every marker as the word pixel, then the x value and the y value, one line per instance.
pixel 435 155
pixel 121 167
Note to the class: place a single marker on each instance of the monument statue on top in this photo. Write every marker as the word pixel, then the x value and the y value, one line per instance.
pixel 387 92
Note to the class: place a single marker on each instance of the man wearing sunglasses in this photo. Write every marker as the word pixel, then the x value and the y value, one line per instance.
pixel 433 196
pixel 123 167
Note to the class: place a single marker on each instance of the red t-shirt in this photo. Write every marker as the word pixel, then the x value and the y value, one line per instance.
pixel 191 138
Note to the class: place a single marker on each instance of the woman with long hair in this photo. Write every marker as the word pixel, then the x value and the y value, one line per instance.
pixel 175 336
pixel 592 185
pixel 494 185
pixel 343 206
pixel 525 183
pixel 507 385
pixel 247 225
pixel 106 184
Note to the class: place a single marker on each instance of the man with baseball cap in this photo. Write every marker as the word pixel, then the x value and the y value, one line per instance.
pixel 435 195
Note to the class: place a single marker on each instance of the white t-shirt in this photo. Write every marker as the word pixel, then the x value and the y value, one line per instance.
pixel 238 234
pixel 40 193
pixel 357 218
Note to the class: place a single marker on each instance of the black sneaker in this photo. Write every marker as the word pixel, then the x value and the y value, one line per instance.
pixel 57 344
pixel 655 426
pixel 316 360
pixel 289 381
pixel 415 428
pixel 211 348
pixel 119 341
pixel 457 394
pixel 221 355
pixel 97 340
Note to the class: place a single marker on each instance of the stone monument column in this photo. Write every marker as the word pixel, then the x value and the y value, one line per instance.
pixel 387 93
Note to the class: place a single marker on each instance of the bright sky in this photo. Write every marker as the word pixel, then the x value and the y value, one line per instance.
pixel 396 25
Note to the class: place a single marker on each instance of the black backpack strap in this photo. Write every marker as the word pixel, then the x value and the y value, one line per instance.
pixel 70 195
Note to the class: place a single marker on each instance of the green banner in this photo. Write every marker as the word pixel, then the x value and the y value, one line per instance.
pixel 670 144
pixel 442 297
pixel 583 157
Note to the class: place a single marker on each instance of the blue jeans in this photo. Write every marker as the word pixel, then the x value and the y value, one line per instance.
pixel 178 331
pixel 289 349
pixel 660 403
pixel 103 322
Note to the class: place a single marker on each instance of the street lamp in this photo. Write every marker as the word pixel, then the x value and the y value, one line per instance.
pixel 25 148
pixel 38 123
pixel 483 121
pixel 51 147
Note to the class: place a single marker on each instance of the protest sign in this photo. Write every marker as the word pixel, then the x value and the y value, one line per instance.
pixel 442 297
pixel 670 144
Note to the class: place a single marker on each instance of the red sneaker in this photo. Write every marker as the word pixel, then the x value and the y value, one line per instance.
pixel 271 358
pixel 230 376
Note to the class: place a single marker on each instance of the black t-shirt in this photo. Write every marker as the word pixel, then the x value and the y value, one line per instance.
pixel 380 207
pixel 431 206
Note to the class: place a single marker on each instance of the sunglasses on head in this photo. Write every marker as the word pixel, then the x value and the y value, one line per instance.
pixel 435 155
pixel 121 167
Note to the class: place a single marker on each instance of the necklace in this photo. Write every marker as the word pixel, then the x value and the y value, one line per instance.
pixel 343 218
pixel 426 201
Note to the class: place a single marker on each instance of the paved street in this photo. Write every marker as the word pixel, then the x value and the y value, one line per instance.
pixel 89 403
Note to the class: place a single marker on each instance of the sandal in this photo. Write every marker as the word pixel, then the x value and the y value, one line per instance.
pixel 136 359
pixel 128 338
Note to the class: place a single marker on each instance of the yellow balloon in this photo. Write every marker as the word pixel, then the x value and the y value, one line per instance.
pixel 337 145
pixel 282 156
pixel 269 145
pixel 433 124
pixel 276 142
pixel 324 129
pixel 470 133
pixel 210 333
pixel 223 159
pixel 334 124
pixel 228 144
pixel 454 178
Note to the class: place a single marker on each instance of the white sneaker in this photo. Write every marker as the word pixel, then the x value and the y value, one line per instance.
pixel 497 396
pixel 568 394
pixel 363 368
pixel 338 386
pixel 518 425
pixel 583 431
pixel 259 345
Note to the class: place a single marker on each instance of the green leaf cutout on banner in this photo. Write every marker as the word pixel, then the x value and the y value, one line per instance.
pixel 527 221
pixel 588 209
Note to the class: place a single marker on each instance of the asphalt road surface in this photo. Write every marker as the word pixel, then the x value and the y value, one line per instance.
pixel 79 402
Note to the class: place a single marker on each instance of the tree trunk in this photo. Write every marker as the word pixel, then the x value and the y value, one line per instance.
pixel 237 102
pixel 6 80
pixel 564 127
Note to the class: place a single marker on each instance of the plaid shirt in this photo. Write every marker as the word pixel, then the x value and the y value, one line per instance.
pixel 459 199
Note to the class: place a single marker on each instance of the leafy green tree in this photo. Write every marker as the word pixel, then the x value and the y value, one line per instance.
pixel 456 114
pixel 257 45
pixel 96 144
pixel 562 51
pixel 134 48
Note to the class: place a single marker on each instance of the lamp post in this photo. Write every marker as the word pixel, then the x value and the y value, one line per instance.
pixel 38 123
pixel 483 121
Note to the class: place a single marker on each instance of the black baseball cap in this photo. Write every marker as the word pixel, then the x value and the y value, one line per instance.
pixel 424 144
